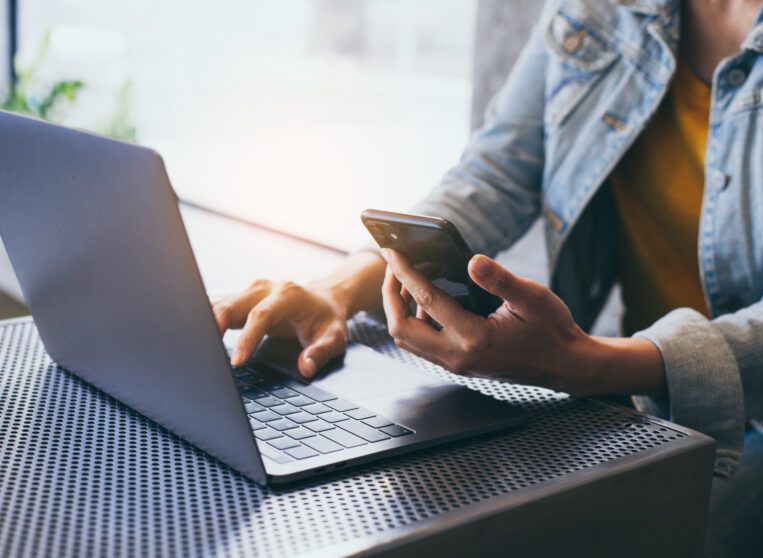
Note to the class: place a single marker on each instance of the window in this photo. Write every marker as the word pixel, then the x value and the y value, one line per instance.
pixel 295 114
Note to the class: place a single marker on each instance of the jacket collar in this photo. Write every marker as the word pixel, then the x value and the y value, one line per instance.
pixel 652 7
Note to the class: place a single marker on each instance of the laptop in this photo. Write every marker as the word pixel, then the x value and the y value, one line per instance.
pixel 95 236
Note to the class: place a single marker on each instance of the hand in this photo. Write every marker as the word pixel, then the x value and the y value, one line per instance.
pixel 531 338
pixel 314 316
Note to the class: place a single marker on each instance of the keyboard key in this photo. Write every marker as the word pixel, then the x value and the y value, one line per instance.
pixel 267 434
pixel 319 425
pixel 323 445
pixel 310 391
pixel 282 424
pixel 300 433
pixel 282 392
pixel 301 401
pixel 333 416
pixel 396 430
pixel 256 425
pixel 377 422
pixel 360 414
pixel 269 401
pixel 316 408
pixel 276 456
pixel 341 405
pixel 266 416
pixel 366 432
pixel 253 393
pixel 283 443
pixel 251 369
pixel 253 407
pixel 285 409
pixel 302 418
pixel 301 452
pixel 342 437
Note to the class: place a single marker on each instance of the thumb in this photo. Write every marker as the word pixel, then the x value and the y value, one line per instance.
pixel 496 279
pixel 319 351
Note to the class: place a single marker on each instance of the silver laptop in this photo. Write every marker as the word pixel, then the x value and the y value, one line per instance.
pixel 98 245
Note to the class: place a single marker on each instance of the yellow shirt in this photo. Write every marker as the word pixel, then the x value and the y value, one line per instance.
pixel 658 190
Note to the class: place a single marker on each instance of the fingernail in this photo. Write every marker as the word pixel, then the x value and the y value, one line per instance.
pixel 480 266
pixel 237 359
pixel 312 367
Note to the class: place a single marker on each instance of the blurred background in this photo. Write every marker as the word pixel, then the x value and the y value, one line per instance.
pixel 293 115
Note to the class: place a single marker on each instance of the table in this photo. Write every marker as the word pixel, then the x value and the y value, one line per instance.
pixel 83 475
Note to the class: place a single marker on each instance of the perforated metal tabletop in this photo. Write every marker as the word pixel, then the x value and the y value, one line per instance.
pixel 83 475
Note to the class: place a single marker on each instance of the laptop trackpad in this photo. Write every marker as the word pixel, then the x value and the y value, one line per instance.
pixel 361 374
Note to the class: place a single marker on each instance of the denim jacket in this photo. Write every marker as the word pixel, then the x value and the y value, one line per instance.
pixel 587 83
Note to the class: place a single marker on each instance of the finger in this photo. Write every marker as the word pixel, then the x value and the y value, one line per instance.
pixel 395 307
pixel 231 312
pixel 434 301
pixel 408 299
pixel 324 346
pixel 423 316
pixel 270 311
pixel 496 279
pixel 404 327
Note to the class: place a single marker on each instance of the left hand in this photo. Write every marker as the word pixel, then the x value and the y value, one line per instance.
pixel 531 338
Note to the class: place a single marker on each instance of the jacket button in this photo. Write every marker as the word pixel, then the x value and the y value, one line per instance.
pixel 718 180
pixel 736 77
pixel 573 43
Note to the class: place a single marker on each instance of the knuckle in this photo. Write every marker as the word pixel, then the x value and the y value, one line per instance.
pixel 423 296
pixel 340 338
pixel 502 282
pixel 394 328
pixel 290 289
pixel 260 284
pixel 474 344
pixel 259 313
pixel 535 292
pixel 222 309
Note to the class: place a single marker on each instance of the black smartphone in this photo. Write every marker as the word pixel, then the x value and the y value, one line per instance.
pixel 436 249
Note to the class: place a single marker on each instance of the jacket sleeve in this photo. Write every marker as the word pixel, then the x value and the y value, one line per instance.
pixel 714 372
pixel 493 194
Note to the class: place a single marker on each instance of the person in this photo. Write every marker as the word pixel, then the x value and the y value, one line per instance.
pixel 634 129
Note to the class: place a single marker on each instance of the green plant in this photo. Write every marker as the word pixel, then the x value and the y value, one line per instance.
pixel 121 125
pixel 49 102
pixel 27 97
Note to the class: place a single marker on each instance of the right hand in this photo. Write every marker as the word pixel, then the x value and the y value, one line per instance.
pixel 285 309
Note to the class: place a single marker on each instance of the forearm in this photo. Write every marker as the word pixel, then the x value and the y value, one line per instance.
pixel 356 284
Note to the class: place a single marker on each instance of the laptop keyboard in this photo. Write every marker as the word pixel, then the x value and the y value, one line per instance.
pixel 294 421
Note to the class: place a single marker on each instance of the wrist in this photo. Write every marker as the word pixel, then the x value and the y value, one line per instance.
pixel 623 365
pixel 355 286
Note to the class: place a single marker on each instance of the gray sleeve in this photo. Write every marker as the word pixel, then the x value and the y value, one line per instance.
pixel 714 373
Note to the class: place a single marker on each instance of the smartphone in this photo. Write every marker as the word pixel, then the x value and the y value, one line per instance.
pixel 436 249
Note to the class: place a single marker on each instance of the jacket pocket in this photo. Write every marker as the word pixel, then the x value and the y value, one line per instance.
pixel 578 58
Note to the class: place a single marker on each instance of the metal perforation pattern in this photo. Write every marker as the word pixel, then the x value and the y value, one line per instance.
pixel 83 475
